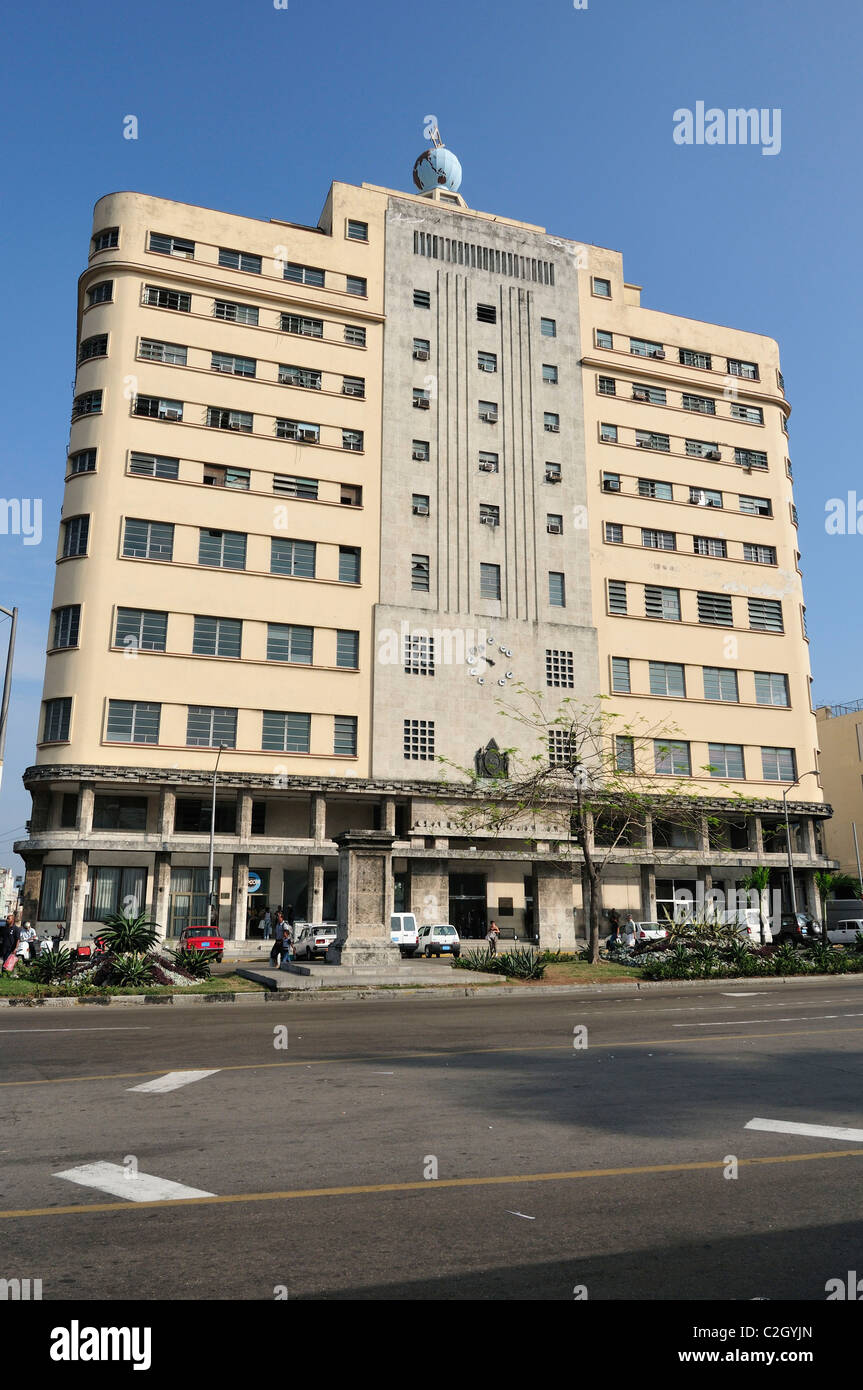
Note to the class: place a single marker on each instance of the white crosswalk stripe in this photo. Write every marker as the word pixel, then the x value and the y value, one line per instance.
pixel 173 1080
pixel 120 1181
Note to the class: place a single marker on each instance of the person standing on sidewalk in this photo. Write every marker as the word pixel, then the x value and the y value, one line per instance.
pixel 491 937
pixel 281 927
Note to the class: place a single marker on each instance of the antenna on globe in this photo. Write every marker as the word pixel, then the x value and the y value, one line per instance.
pixel 436 167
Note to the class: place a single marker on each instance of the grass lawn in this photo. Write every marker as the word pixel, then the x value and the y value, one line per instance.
pixel 582 973
pixel 217 984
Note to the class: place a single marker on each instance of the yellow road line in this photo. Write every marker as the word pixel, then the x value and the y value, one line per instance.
pixel 424 1056
pixel 428 1185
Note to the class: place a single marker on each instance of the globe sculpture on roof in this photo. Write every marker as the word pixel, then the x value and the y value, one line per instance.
pixel 437 168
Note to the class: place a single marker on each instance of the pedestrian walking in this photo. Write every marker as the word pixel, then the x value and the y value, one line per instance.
pixel 9 937
pixel 287 946
pixel 266 924
pixel 614 923
pixel 280 928
pixel 491 937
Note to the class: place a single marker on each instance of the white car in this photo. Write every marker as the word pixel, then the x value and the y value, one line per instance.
pixel 845 933
pixel 632 933
pixel 403 931
pixel 438 941
pixel 314 939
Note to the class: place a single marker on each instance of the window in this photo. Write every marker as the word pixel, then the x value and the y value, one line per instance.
pixel 76 533
pixel 240 260
pixel 552 472
pixel 548 328
pixel 353 386
pixel 705 497
pixel 765 614
pixel 617 596
pixel 419 740
pixel 489 581
pixel 298 431
pixel 486 313
pixel 235 313
pixel 296 558
pixel 141 629
pixel 649 487
pixel 52 902
pixel 153 351
pixel 422 351
pixel 715 609
pixel 671 757
pixel 306 328
pixel 148 540
pixel 658 540
pixel 613 533
pixel 760 554
pixel 551 422
pixel 88 403
pixel 105 240
pixel 486 361
pixel 154 465
pixel 96 346
pixel 192 817
pixel 603 339
pixel 654 395
pixel 745 369
pixel 354 334
pixel 750 458
pixel 345 735
pixel 703 449
pixel 549 374
pixel 714 546
pixel 419 654
pixel 111 889
pixel 171 245
pixel 209 725
pixel 356 284
pixel 756 506
pixel 303 274
pixel 753 413
pixel 220 419
pixel 488 411
pixel 620 681
pixel 288 642
pixel 420 573
pixel 559 668
pixel 771 688
pixel 778 764
pixel 420 450
pixel 119 813
pixel 667 678
pixel 215 475
pixel 66 624
pixel 662 602
pixel 288 486
pixel 285 733
pixel 69 811
pixel 649 439
pixel 607 386
pixel 58 714
pixel 720 684
pixel 556 589
pixel 643 347
pixel 158 408
pixel 231 365
pixel 488 462
pixel 601 287
pixel 357 231
pixel 554 523
pixel 559 747
pixel 349 564
pixel 608 434
pixel 306 377
pixel 611 482
pixel 84 461
pixel 489 514
pixel 353 440
pixel 422 299
pixel 217 637
pixel 725 759
pixel 348 649
pixel 705 404
pixel 420 504
pixel 421 398
pixel 624 752
pixel 102 293
pixel 133 721
pixel 225 549
pixel 159 298
pixel 688 358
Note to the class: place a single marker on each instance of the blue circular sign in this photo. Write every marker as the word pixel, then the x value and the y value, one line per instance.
pixel 254 882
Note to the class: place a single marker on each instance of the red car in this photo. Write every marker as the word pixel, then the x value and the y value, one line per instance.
pixel 203 939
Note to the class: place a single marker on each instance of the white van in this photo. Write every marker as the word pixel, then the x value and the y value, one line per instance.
pixel 403 930
pixel 750 924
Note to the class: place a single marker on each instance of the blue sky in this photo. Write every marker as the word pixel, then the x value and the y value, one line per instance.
pixel 559 116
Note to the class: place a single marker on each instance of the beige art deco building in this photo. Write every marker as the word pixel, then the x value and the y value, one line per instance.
pixel 312 473
pixel 840 738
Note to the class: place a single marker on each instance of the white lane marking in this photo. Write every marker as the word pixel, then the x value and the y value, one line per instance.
pixel 523 1216
pixel 742 994
pixel 173 1080
pixel 118 1181
pixel 736 1022
pixel 855 1136
pixel 130 1029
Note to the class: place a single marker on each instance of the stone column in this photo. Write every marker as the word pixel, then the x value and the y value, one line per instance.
pixel 552 906
pixel 77 894
pixel 86 798
pixel 318 818
pixel 167 809
pixel 388 814
pixel 756 839
pixel 240 895
pixel 315 894
pixel 244 816
pixel 161 908
pixel 365 900
pixel 31 889
pixel 40 810
pixel 430 891
pixel 648 892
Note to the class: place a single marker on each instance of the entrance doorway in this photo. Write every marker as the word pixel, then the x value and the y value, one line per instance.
pixel 467 905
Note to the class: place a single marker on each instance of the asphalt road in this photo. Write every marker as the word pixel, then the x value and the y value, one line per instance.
pixel 558 1166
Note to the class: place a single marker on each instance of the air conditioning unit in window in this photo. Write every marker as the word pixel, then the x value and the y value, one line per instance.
pixel 640 395
pixel 487 468
pixel 658 353
pixel 697 499
pixel 234 425
pixel 643 443
pixel 489 521
pixel 353 391
pixel 611 485
pixel 309 436
pixel 421 509
pixel 422 403
pixel 553 429
pixel 419 456
pixel 486 366
pixel 714 454
pixel 551 477
pixel 421 354
pixel 171 415
pixel 554 528
pixel 490 416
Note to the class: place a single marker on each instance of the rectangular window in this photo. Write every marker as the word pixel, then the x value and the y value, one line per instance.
pixel 714 546
pixel 105 240
pixel 356 284
pixel 349 564
pixel 688 358
pixel 725 759
pixel 771 688
pixel 624 752
pixel 607 386
pixel 418 740
pixel 158 297
pixel 489 514
pixel 288 642
pixel 102 293
pixel 171 245
pixel 778 764
pixel 608 434
pixel 420 450
pixel 52 899
pixel 486 313
pixel 83 461
pixel 759 554
pixel 756 506
pixel 76 534
pixel 750 458
pixel 704 404
pixel 148 540
pixel 551 422
pixel 240 260
pixel 120 813
pixel 649 487
pixel 304 274
pixel 88 403
pixel 753 413
pixel 217 637
pixel 604 339
pixel 215 475
pixel 667 678
pixel 643 347
pixel 154 465
pixel 560 750
pixel 298 431
pixel 96 346
pixel 422 299
pixel 209 725
pixel 617 596
pixel 353 386
pixel 765 614
pixel 304 327
pixel 549 374
pixel 613 533
pixel 548 328
pixel 354 334
pixel 715 609
pixel 133 721
pixel 556 589
pixel 649 439
pixel 601 287
pixel 559 668
pixel 192 817
pixel 220 419
pixel 225 549
pixel 658 540
pixel 620 679
pixel 420 504
pixel 422 350
pixel 611 482
pixel 158 408
pixel 662 602
pixel 749 370
pixel 141 629
pixel 720 684
pixel 653 395
pixel 67 622
pixel 420 573
pixel 671 757
pixel 232 366
pixel 705 497
pixel 488 462
pixel 288 486
pixel 703 449
pixel 296 558
pixel 57 717
pixel 554 523
pixel 345 735
pixel 552 471
pixel 348 649
pixel 174 354
pixel 353 440
pixel 489 581
pixel 357 231
pixel 486 361
pixel 285 733
pixel 231 312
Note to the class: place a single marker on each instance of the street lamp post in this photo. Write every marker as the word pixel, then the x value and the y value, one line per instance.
pixel 211 894
pixel 7 681
pixel 812 773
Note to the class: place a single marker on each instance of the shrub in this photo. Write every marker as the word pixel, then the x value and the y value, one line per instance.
pixel 522 964
pixel 128 970
pixel 194 963
pixel 124 935
pixel 479 960
pixel 49 966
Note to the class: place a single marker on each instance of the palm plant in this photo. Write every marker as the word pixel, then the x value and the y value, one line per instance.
pixel 129 935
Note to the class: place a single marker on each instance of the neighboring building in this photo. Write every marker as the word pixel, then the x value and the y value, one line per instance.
pixel 8 892
pixel 840 741
pixel 313 471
